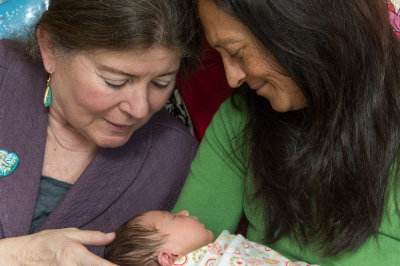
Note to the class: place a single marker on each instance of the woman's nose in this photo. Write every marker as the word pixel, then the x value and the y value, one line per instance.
pixel 183 213
pixel 235 75
pixel 136 102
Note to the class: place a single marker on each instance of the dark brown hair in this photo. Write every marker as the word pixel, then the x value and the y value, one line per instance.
pixel 76 25
pixel 135 244
pixel 324 173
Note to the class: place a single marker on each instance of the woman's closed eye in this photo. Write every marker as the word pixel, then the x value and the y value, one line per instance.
pixel 115 84
pixel 160 85
pixel 118 84
pixel 236 53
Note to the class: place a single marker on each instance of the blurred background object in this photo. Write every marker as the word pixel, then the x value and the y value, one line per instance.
pixel 18 16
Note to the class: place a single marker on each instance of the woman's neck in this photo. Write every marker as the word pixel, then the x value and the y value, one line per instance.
pixel 67 137
pixel 67 152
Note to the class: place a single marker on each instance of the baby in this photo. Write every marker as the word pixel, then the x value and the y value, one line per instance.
pixel 162 238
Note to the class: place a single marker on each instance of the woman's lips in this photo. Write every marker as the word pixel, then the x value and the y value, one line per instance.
pixel 119 127
pixel 258 89
pixel 263 89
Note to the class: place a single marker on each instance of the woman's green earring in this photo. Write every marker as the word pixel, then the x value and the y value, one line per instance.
pixel 47 95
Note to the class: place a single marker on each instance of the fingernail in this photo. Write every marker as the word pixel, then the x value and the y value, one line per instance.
pixel 110 235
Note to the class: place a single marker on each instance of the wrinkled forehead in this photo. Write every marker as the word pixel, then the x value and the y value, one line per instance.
pixel 220 27
pixel 208 9
pixel 148 63
pixel 134 51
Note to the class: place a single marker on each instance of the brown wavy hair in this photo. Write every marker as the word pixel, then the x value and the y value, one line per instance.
pixel 76 25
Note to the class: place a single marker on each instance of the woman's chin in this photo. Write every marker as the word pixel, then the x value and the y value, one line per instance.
pixel 112 142
pixel 278 107
pixel 283 107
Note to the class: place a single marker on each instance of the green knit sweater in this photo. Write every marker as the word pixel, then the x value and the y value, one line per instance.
pixel 215 193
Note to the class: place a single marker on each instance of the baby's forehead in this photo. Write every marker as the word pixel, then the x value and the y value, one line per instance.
pixel 154 217
pixel 156 214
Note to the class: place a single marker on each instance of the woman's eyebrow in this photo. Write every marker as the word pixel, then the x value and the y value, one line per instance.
pixel 114 70
pixel 174 72
pixel 224 42
pixel 120 72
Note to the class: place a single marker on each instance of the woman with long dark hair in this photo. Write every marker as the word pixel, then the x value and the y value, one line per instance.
pixel 307 147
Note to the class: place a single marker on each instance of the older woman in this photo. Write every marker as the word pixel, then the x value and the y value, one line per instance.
pixel 85 141
pixel 308 147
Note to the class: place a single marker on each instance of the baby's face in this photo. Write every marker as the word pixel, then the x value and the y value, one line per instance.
pixel 184 233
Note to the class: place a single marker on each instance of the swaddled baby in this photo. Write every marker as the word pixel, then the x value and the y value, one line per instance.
pixel 163 238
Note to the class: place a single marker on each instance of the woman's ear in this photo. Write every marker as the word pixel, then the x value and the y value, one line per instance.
pixel 166 257
pixel 46 50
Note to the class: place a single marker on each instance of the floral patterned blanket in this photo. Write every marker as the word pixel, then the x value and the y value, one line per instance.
pixel 231 249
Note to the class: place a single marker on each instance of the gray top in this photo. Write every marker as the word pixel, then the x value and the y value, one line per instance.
pixel 51 191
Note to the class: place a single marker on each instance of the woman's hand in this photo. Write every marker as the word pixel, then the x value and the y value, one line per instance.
pixel 55 247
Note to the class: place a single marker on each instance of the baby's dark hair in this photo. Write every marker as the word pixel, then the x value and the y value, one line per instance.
pixel 135 244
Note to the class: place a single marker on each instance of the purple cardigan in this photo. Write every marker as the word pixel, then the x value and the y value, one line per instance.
pixel 146 173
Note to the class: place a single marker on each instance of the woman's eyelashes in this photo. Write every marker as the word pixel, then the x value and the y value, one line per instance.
pixel 115 84
pixel 160 85
pixel 234 51
pixel 119 84
pixel 235 54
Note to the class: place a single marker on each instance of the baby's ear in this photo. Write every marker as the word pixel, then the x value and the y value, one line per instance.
pixel 167 258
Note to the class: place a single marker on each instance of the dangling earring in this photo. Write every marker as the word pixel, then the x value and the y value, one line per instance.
pixel 47 95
